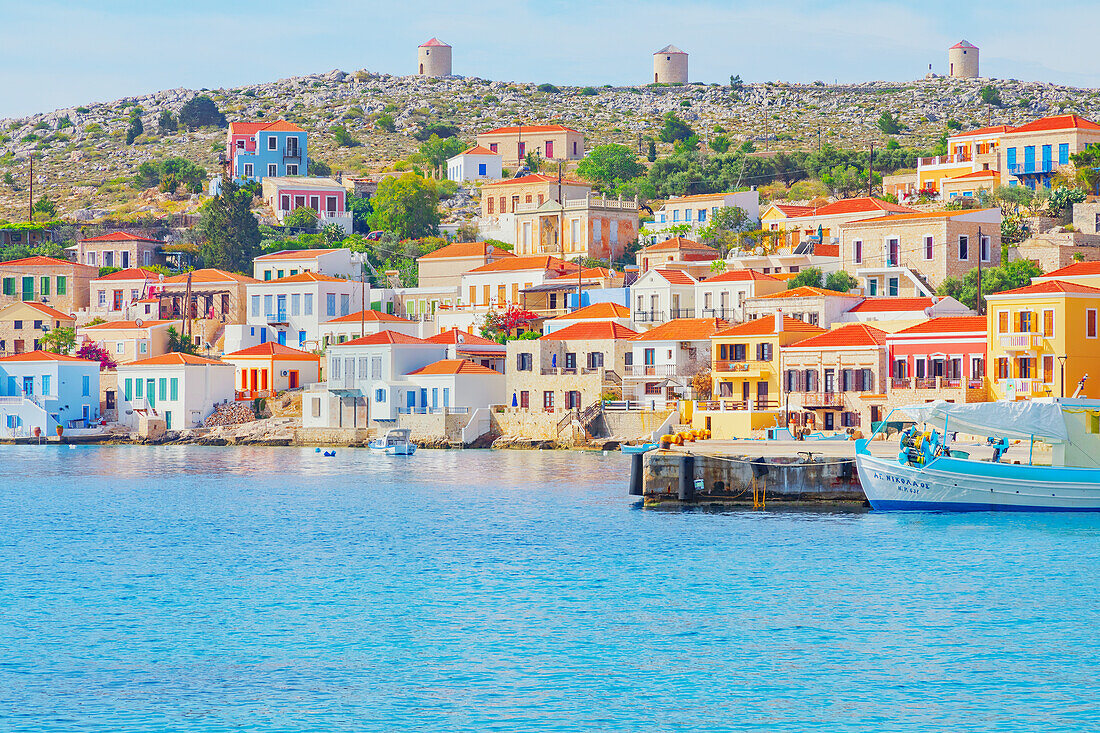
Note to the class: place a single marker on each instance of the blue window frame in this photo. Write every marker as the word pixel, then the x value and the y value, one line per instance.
pixel 379 395
pixel 435 398
pixel 410 399
pixel 28 385
pixel 481 169
pixel 45 385
pixel 1012 157
pixel 255 305
pixel 1047 157
pixel 85 386
pixel 301 338
pixel 1063 153
pixel 446 396
pixel 676 215
pixel 330 304
pixel 702 215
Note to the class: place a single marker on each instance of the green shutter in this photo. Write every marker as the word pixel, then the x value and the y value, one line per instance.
pixel 9 286
pixel 128 389
pixel 45 286
pixel 139 388
pixel 62 282
pixel 163 389
pixel 28 287
pixel 174 393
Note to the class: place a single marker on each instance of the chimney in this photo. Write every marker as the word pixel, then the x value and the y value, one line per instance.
pixel 779 321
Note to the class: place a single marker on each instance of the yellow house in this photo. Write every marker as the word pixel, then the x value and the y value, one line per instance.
pixel 1044 339
pixel 967 152
pixel 746 394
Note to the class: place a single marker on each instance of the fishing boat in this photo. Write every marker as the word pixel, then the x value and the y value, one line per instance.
pixel 930 474
pixel 394 443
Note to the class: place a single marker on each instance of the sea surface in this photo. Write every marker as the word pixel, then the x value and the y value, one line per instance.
pixel 273 589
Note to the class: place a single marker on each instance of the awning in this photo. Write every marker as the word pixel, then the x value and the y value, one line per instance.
pixel 1021 420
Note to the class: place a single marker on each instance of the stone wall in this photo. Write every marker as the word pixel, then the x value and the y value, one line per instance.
pixel 901 397
pixel 530 424
pixel 332 436
pixel 1056 250
pixel 434 426
pixel 633 424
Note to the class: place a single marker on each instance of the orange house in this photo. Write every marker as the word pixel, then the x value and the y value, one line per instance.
pixel 271 367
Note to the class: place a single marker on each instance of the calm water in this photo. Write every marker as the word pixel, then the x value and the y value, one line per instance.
pixel 273 589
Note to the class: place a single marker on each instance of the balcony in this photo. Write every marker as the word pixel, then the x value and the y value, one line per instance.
pixel 278 318
pixel 830 400
pixel 682 313
pixel 649 317
pixel 1020 341
pixel 726 314
pixel 731 405
pixel 1032 168
pixel 945 159
pixel 243 395
pixel 653 370
pixel 924 383
pixel 292 153
pixel 743 365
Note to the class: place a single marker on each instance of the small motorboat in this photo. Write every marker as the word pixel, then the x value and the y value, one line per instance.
pixel 643 448
pixel 394 443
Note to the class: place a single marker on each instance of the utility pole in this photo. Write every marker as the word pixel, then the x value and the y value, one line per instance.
pixel 870 170
pixel 30 193
pixel 765 121
pixel 979 303
pixel 363 299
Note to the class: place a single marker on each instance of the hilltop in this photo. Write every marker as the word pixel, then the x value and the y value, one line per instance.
pixel 84 165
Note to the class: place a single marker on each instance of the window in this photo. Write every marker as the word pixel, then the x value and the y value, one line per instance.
pixel 102 298
pixel 9 282
pixel 295 303
pixel 376 367
pixel 380 395
pixel 524 362
pixel 18 325
pixel 139 388
pixel 307 304
pixel 335 370
pixel 45 385
pixel 1063 153
pixel 928 248
pixel 481 169
pixel 489 203
pixel 1048 369
pixel 739 352
pixel 345 304
pixel 85 386
pixel 893 286
pixel 525 399
pixel 45 286
pixel 255 306
pixel 163 384
pixel 548 400
pixel 1090 323
pixel 174 389
pixel 272 170
pixel 143 347
pixel 1002 367
pixel 316 403
pixel 676 215
pixel 1048 323
pixel 872 286
pixel 493 147
pixel 330 304
pixel 1025 367
pixel 292 169
pixel 120 347
pixel 984 246
pixel 702 215
pixel 1025 321
pixel 128 389
pixel 964 247
pixel 248 170
pixel 272 142
pixel 857 254
pixel 595 360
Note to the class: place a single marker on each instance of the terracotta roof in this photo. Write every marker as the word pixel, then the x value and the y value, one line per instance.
pixel 477 150
pixel 945 324
pixel 528 128
pixel 251 128
pixel 369 316
pixel 119 325
pixel 1049 287
pixel 983 131
pixel 295 254
pixel 132 273
pixel 679 243
pixel 282 126
pixel 277 350
pixel 451 336
pixel 683 329
pixel 737 276
pixel 891 305
pixel 1077 269
pixel 591 331
pixel 121 237
pixel 860 205
pixel 806 291
pixel 919 215
pixel 434 42
pixel 792 210
pixel 537 178
pixel 765 325
pixel 305 277
pixel 40 261
pixel 851 334
pixel 1058 122
pixel 455 366
pixel 676 277
pixel 176 359
pixel 45 356
pixel 531 262
pixel 465 249
pixel 381 338
pixel 209 275
pixel 48 311
pixel 975 174
pixel 601 311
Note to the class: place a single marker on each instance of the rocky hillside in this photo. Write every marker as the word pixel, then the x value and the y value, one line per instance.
pixel 84 165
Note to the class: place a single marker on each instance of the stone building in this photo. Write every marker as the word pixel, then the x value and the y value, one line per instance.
pixel 22 325
pixel 962 61
pixel 549 142
pixel 62 284
pixel 433 58
pixel 670 66
pixel 119 249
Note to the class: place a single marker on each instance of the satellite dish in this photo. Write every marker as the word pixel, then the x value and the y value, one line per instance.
pixel 139 323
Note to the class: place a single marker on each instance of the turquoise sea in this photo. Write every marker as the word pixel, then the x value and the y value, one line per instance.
pixel 273 589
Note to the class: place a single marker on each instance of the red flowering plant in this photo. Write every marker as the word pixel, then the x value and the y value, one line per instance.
pixel 500 326
pixel 94 352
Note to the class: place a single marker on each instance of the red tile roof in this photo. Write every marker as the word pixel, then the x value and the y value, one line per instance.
pixel 806 291
pixel 892 305
pixel 295 254
pixel 945 324
pixel 1077 269
pixel 369 316
pixel 132 273
pixel 457 337
pixel 48 311
pixel 381 338
pixel 120 325
pixel 851 334
pixel 305 277
pixel 793 210
pixel 209 275
pixel 537 178
pixel 176 359
pixel 683 329
pixel 893 218
pixel 600 311
pixel 40 261
pixel 678 243
pixel 964 44
pixel 465 249
pixel 676 277
pixel 478 150
pixel 827 250
pixel 1049 287
pixel 45 356
pixel 975 174
pixel 860 205
pixel 121 237
pixel 591 331
pixel 528 262
pixel 765 326
pixel 435 42
pixel 523 129
pixel 455 366
pixel 737 276
pixel 276 350
pixel 984 131
pixel 1058 122
pixel 251 128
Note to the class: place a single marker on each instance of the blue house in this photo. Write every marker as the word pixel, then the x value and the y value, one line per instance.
pixel 260 149
pixel 39 389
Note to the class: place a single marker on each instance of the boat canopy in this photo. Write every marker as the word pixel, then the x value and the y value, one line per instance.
pixel 1020 420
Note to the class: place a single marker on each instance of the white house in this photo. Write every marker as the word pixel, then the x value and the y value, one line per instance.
pixel 182 388
pixel 112 296
pixel 913 310
pixel 475 164
pixel 456 384
pixel 499 283
pixel 697 211
pixel 662 295
pixel 339 262
pixel 664 361
pixel 723 296
pixel 43 390
pixel 474 348
pixel 363 323
pixel 291 310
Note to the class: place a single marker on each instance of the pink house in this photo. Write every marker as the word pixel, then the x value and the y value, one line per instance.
pixel 325 196
pixel 941 358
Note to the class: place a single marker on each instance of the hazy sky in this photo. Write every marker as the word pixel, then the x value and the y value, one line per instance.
pixel 61 53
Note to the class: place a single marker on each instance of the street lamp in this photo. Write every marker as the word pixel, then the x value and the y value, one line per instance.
pixel 1062 362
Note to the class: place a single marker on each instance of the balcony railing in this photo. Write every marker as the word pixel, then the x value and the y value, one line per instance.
pixel 276 317
pixel 744 365
pixel 653 370
pixel 1043 166
pixel 822 399
pixel 433 410
pixel 1020 341
pixel 649 316
pixel 945 159
pixel 682 313
pixel 731 405
pixel 254 394
pixel 900 383
pixel 292 153
pixel 724 313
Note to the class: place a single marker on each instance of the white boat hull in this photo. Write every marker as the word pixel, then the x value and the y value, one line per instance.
pixel 954 484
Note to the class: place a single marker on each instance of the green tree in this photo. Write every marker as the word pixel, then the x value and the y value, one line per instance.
pixel 199 112
pixel 607 165
pixel 844 181
pixel 736 84
pixel 991 95
pixel 45 206
pixel 302 217
pixel 407 206
pixel 1087 163
pixel 651 151
pixel 548 88
pixel 1015 274
pixel 179 344
pixel 319 168
pixel 228 230
pixel 674 129
pixel 533 161
pixel 725 228
pixel 888 124
pixel 60 340
pixel 439 150
pixel 1062 199
pixel 439 129
pixel 343 138
pixel 135 128
pixel 166 122
pixel 147 176
pixel 720 143
pixel 360 209
pixel 807 277
pixel 385 123
pixel 177 173
pixel 840 281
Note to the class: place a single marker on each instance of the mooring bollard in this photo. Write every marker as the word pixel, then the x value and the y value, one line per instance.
pixel 687 478
pixel 636 474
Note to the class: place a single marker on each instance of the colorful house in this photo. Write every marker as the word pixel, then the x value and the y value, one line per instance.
pixel 1035 151
pixel 595 313
pixel 969 152
pixel 119 249
pixel 816 306
pixel 665 362
pixel 325 196
pixel 112 295
pixel 60 284
pixel 259 150
pixel 475 164
pixel 43 390
pixel 697 210
pixel 474 348
pixel 1044 340
pixel 746 393
pixel 662 295
pixel 183 389
pixel 336 262
pixel 941 358
pixel 22 326
pixel 724 295
pixel 445 266
pixel 676 253
pixel 268 368
pixel 129 341
pixel 363 323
